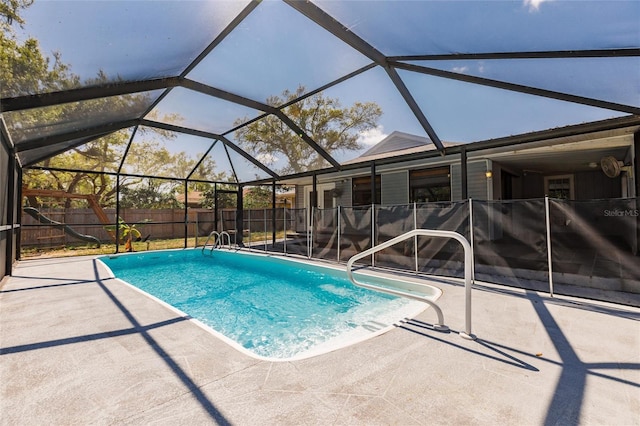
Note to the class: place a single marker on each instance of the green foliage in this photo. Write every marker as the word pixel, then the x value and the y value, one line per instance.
pixel 146 157
pixel 25 70
pixel 257 197
pixel 10 11
pixel 125 231
pixel 225 200
pixel 324 119
pixel 151 194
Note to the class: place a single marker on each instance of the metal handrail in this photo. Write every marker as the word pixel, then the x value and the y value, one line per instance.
pixel 222 235
pixel 427 233
pixel 216 241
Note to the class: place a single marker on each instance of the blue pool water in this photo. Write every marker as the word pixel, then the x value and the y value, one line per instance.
pixel 272 307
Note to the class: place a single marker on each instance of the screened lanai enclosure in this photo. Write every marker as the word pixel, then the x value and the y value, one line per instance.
pixel 145 125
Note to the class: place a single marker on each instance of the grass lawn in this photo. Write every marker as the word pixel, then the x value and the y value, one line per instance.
pixel 110 248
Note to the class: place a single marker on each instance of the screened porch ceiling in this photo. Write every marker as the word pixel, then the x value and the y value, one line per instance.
pixel 186 77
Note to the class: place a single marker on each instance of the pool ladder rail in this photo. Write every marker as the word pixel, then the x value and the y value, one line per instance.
pixel 415 294
pixel 218 241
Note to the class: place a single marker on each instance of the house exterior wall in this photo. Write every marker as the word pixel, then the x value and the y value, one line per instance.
pixel 344 188
pixel 513 179
pixel 592 185
pixel 395 187
pixel 596 185
pixel 478 186
pixel 299 197
pixel 496 180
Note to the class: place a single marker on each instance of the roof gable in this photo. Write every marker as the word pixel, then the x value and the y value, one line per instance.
pixel 396 144
pixel 397 141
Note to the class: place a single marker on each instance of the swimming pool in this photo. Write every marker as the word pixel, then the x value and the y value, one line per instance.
pixel 267 306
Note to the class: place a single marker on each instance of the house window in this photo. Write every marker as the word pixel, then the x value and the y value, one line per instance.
pixel 559 187
pixel 361 194
pixel 429 185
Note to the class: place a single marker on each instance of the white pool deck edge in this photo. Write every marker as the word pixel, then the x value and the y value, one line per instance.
pixel 78 347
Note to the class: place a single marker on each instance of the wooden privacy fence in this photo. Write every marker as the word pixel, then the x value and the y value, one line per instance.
pixel 262 220
pixel 155 223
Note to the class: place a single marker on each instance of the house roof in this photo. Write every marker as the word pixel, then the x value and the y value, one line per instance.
pixel 200 71
pixel 193 197
pixel 548 149
pixel 572 149
pixel 396 144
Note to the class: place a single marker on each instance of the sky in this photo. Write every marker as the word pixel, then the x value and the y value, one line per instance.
pixel 277 49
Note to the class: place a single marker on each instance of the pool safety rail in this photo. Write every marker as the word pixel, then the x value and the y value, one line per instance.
pixel 468 260
pixel 218 240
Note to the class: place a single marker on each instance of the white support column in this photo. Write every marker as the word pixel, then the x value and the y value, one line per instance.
pixel 310 234
pixel 373 233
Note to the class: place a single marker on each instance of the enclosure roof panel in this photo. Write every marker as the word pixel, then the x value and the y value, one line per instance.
pixel 275 88
pixel 126 41
pixel 275 49
pixel 400 28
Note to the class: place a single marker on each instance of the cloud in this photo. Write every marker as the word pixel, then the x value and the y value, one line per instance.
pixel 372 136
pixel 534 5
pixel 461 70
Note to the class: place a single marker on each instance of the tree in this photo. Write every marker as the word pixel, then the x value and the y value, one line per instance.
pixel 9 10
pixel 257 197
pixel 25 70
pixel 149 195
pixel 226 200
pixel 332 126
pixel 145 157
pixel 126 232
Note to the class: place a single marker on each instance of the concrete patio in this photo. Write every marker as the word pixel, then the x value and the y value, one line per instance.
pixel 78 347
